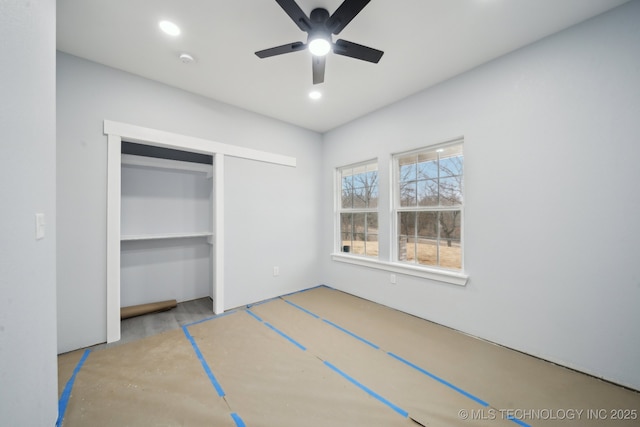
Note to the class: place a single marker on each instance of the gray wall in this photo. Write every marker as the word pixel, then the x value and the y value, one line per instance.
pixel 271 210
pixel 551 163
pixel 28 367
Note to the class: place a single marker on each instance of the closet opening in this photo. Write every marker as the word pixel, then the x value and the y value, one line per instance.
pixel 166 246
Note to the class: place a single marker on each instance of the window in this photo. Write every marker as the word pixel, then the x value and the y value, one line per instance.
pixel 358 208
pixel 428 206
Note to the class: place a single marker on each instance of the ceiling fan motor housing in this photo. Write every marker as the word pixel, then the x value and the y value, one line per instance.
pixel 319 15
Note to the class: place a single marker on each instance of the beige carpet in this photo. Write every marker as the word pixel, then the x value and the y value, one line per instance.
pixel 325 358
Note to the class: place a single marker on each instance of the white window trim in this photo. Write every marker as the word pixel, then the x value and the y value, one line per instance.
pixel 440 275
pixel 337 208
pixel 435 273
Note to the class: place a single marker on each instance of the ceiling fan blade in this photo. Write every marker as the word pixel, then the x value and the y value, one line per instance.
pixel 296 14
pixel 357 51
pixel 279 50
pixel 318 69
pixel 344 14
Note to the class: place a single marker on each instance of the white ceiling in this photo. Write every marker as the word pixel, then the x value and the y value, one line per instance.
pixel 425 42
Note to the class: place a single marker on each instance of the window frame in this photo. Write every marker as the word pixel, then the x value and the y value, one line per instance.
pixel 396 209
pixel 388 217
pixel 339 210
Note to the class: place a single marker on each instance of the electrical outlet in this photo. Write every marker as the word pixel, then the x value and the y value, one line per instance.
pixel 276 271
pixel 392 279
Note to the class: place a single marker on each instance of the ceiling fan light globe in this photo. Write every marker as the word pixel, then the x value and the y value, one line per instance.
pixel 319 47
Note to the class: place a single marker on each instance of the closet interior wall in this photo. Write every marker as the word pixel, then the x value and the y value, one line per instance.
pixel 166 223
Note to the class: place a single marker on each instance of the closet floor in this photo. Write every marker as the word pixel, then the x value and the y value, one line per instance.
pixel 144 326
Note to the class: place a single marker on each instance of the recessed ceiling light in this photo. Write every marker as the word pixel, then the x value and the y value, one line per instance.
pixel 169 28
pixel 314 94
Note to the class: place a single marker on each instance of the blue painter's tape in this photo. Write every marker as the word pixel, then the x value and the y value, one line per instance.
pixel 371 393
pixel 204 363
pixel 440 380
pixel 217 316
pixel 255 316
pixel 66 393
pixel 294 342
pixel 238 420
pixel 302 309
pixel 369 343
pixel 517 421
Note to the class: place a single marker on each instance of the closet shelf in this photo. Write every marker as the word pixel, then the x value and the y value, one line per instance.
pixel 152 162
pixel 131 237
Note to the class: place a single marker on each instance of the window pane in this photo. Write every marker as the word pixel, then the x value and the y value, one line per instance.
pixel 427 225
pixel 373 197
pixel 450 249
pixel 372 245
pixel 427 238
pixel 360 187
pixel 408 191
pixel 406 236
pixel 428 193
pixel 359 198
pixel 428 169
pixel 451 161
pixel 370 177
pixel 346 231
pixel 371 248
pixel 372 223
pixel 345 245
pixel 358 233
pixel 347 199
pixel 450 256
pixel 451 191
pixel 407 169
pixel 450 225
pixel 451 166
pixel 407 223
pixel 347 189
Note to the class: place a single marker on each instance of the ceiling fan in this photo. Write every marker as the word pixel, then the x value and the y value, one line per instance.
pixel 319 26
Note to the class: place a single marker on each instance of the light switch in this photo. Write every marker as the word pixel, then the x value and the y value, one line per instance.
pixel 39 226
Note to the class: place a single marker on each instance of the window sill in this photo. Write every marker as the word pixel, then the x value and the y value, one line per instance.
pixel 450 277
